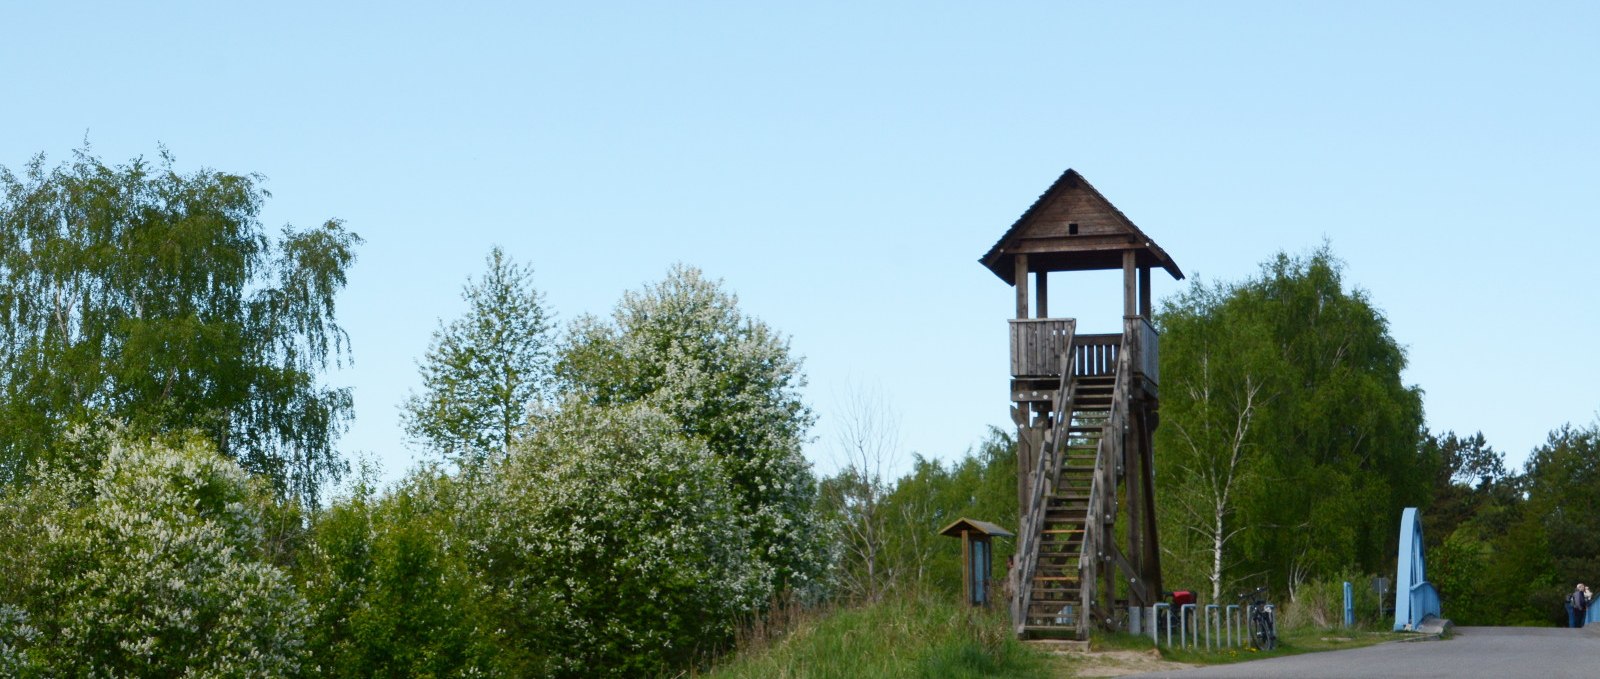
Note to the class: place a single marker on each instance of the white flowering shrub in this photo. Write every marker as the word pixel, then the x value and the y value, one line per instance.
pixel 153 567
pixel 684 348
pixel 15 635
pixel 611 547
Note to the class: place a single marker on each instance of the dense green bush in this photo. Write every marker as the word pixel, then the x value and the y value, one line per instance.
pixel 156 566
pixel 1320 603
pixel 605 544
pixel 395 594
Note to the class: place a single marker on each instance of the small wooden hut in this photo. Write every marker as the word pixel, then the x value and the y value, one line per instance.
pixel 977 555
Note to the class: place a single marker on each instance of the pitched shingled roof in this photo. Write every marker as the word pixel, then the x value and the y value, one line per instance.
pixel 1072 252
pixel 955 528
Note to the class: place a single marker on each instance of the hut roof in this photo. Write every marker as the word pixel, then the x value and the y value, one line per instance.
pixel 974 525
pixel 1072 227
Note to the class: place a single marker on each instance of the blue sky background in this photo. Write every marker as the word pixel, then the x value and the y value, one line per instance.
pixel 843 165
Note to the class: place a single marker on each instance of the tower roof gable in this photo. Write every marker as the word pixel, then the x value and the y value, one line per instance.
pixel 1072 227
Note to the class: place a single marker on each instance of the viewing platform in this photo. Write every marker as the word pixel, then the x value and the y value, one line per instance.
pixel 1037 349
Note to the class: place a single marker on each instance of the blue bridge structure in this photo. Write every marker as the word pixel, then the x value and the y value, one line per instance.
pixel 1415 599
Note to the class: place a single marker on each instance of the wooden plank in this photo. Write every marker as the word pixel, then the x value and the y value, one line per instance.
pixel 1137 584
pixel 1130 290
pixel 1041 293
pixel 1144 291
pixel 1070 244
pixel 1021 281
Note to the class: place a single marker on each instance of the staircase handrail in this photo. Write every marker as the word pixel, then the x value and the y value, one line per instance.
pixel 1033 521
pixel 1110 444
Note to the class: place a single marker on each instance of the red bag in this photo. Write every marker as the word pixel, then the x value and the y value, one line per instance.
pixel 1182 597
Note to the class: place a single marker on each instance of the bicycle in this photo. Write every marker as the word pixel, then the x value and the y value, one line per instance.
pixel 1261 617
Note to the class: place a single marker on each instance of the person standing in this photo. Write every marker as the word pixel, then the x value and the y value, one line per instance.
pixel 1577 606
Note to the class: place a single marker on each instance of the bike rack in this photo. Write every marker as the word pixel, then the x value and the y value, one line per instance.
pixel 1155 615
pixel 1184 614
pixel 1213 613
pixel 1233 619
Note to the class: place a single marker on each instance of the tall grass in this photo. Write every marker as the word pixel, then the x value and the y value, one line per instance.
pixel 909 634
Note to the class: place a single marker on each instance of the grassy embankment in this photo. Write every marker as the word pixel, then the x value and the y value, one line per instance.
pixel 920 635
pixel 907 635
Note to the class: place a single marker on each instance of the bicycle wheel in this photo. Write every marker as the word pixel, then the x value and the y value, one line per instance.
pixel 1261 636
pixel 1272 630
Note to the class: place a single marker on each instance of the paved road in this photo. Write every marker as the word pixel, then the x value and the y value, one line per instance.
pixel 1540 652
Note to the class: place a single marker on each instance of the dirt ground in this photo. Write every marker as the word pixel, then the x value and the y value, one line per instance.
pixel 1115 663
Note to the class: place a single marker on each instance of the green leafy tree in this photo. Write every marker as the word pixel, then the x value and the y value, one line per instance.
pixel 684 348
pixel 1470 482
pixel 1214 390
pixel 1563 515
pixel 394 592
pixel 980 485
pixel 1475 502
pixel 1286 390
pixel 485 370
pixel 157 298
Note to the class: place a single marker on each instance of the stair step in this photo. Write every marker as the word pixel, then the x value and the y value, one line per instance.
pixel 1071 628
pixel 1056 603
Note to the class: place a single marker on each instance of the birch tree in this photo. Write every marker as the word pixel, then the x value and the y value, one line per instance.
pixel 485 370
pixel 1288 443
pixel 1211 397
pixel 139 294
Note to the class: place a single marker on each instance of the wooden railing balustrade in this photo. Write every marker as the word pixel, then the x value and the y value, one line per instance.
pixel 1096 355
pixel 1037 346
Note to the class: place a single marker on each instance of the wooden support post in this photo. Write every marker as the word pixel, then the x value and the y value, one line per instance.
pixel 1107 535
pixel 966 568
pixel 1135 480
pixel 1019 415
pixel 1041 293
pixel 1130 292
pixel 1021 279
pixel 1152 551
pixel 1144 291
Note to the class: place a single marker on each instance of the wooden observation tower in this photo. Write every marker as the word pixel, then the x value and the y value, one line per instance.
pixel 1085 408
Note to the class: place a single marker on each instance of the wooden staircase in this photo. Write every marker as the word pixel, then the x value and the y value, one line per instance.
pixel 1056 597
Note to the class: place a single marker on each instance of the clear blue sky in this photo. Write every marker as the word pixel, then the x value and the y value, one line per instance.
pixel 843 165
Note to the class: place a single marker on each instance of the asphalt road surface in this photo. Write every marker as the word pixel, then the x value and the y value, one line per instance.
pixel 1539 652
